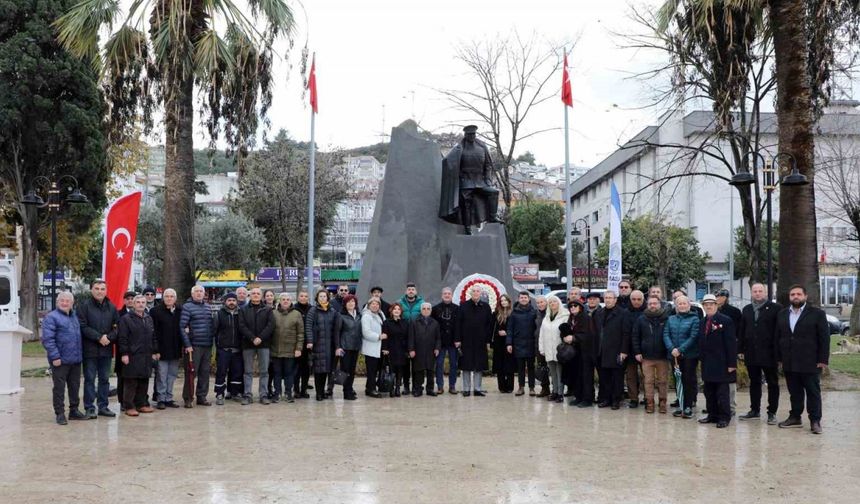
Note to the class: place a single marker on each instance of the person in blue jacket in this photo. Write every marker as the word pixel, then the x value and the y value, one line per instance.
pixel 61 337
pixel 681 337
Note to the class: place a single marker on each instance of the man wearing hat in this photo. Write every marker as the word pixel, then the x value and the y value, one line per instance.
pixel 724 307
pixel 149 294
pixel 376 292
pixel 468 196
pixel 718 352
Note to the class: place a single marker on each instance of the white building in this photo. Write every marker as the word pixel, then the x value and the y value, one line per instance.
pixel 709 205
pixel 346 241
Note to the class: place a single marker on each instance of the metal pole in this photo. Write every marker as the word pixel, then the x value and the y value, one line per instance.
pixel 588 248
pixel 732 239
pixel 53 203
pixel 568 252
pixel 311 176
pixel 768 187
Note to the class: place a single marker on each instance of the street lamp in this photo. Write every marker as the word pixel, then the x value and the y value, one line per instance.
pixel 54 202
pixel 576 232
pixel 744 178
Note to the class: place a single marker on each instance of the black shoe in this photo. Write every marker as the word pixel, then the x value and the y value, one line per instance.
pixel 290 398
pixel 707 420
pixel 559 399
pixel 816 427
pixel 160 405
pixel 171 404
pixel 328 395
pixel 552 397
pixel 771 419
pixel 303 395
pixel 466 393
pixel 687 413
pixel 61 419
pixel 396 393
pixel 675 404
pixel 430 393
pixel 574 402
pixel 478 393
pixel 677 413
pixel 791 422
pixel 603 404
pixel 203 402
pixel 633 403
pixel 616 406
pixel 77 415
pixel 310 387
pixel 91 414
pixel 585 404
pixel 105 412
pixel 372 393
pixel 722 425
pixel 276 399
pixel 417 394
pixel 350 396
pixel 750 415
pixel 320 397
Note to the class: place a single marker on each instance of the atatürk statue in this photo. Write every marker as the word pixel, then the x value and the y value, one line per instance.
pixel 468 196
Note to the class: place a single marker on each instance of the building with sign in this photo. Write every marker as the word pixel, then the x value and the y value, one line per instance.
pixel 710 206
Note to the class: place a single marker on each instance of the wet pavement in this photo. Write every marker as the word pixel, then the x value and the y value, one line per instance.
pixel 496 449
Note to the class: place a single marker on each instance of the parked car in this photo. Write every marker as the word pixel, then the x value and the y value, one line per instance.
pixel 837 326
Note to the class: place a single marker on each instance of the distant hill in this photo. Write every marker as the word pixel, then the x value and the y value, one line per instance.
pixel 379 151
pixel 208 163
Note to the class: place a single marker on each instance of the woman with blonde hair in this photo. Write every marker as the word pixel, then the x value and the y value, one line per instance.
pixel 548 341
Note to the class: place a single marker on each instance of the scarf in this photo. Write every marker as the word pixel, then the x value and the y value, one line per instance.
pixel 756 308
pixel 324 305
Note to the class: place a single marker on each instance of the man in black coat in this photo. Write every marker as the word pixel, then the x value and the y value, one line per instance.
pixel 521 341
pixel 303 373
pixel 256 324
pixel 99 320
pixel 229 370
pixel 624 294
pixel 137 349
pixel 445 313
pixel 635 308
pixel 803 350
pixel 613 323
pixel 718 352
pixel 473 336
pixel 376 292
pixel 589 348
pixel 757 348
pixel 165 318
pixel 424 344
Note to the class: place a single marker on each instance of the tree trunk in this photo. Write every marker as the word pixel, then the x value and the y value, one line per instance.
pixel 179 190
pixel 29 288
pixel 798 261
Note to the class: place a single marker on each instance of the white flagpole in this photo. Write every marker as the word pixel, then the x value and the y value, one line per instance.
pixel 568 252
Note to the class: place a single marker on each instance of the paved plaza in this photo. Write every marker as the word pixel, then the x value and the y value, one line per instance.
pixel 449 449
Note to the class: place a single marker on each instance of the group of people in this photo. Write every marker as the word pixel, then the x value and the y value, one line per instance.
pixel 623 340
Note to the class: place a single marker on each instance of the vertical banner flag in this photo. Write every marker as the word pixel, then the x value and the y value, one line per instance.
pixel 312 85
pixel 566 94
pixel 614 273
pixel 120 235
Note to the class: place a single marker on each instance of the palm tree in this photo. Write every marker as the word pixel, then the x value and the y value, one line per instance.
pixel 158 53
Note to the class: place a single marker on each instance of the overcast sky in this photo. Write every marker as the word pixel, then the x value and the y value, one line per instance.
pixel 372 53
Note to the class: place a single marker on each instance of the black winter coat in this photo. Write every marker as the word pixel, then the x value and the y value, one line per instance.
pixel 732 312
pixel 97 319
pixel 503 362
pixel 578 328
pixel 589 345
pixel 647 336
pixel 167 332
pixel 396 341
pixel 320 329
pixel 349 336
pixel 424 339
pixel 521 331
pixel 446 315
pixel 718 349
pixel 614 336
pixel 226 327
pixel 137 341
pixel 757 338
pixel 256 321
pixel 801 350
pixel 474 331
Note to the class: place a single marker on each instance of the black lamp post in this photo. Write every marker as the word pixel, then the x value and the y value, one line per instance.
pixel 577 232
pixel 54 202
pixel 771 169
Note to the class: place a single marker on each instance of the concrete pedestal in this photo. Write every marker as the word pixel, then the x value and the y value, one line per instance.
pixel 10 360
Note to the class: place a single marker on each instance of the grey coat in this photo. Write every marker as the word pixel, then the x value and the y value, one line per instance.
pixel 424 339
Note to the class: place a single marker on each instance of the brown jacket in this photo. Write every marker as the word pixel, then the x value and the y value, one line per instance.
pixel 289 333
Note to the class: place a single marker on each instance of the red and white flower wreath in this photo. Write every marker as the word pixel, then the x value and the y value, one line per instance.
pixel 491 286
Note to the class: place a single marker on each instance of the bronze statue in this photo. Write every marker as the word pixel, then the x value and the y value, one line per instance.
pixel 468 196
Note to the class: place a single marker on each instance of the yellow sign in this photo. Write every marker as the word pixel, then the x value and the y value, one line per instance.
pixel 226 276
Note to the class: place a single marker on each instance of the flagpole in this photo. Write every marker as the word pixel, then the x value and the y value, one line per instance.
pixel 568 252
pixel 311 177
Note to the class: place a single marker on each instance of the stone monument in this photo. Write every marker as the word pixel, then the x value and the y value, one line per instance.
pixel 408 239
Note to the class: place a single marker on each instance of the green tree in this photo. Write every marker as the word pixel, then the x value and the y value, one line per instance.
pixel 654 252
pixel 225 242
pixel 536 229
pixel 755 270
pixel 274 193
pixel 51 122
pixel 165 53
pixel 526 157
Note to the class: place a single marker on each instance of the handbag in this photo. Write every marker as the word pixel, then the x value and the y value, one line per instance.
pixel 340 376
pixel 385 382
pixel 565 352
pixel 542 373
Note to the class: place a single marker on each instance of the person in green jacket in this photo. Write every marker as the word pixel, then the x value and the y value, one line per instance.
pixel 681 337
pixel 411 304
pixel 287 342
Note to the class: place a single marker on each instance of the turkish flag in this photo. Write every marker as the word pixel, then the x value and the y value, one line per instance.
pixel 120 233
pixel 312 85
pixel 566 94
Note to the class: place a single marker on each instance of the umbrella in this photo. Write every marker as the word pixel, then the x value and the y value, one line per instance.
pixel 188 390
pixel 679 385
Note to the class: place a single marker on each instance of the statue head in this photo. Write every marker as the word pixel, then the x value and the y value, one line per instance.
pixel 470 133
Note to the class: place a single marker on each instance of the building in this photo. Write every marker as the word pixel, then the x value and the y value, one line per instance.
pixel 346 241
pixel 649 172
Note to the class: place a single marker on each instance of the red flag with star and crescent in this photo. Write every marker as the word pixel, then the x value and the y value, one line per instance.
pixel 566 93
pixel 120 234
pixel 312 85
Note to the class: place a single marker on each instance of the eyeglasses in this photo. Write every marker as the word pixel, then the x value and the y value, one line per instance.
pixel 343 290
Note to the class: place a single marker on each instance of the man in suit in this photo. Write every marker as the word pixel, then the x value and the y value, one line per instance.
pixel 718 350
pixel 803 350
pixel 757 348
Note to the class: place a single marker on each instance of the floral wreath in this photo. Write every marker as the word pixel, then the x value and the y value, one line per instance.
pixel 491 286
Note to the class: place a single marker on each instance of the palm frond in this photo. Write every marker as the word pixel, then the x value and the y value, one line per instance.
pixel 78 29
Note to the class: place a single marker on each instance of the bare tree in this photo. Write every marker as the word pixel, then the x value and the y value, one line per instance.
pixel 513 75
